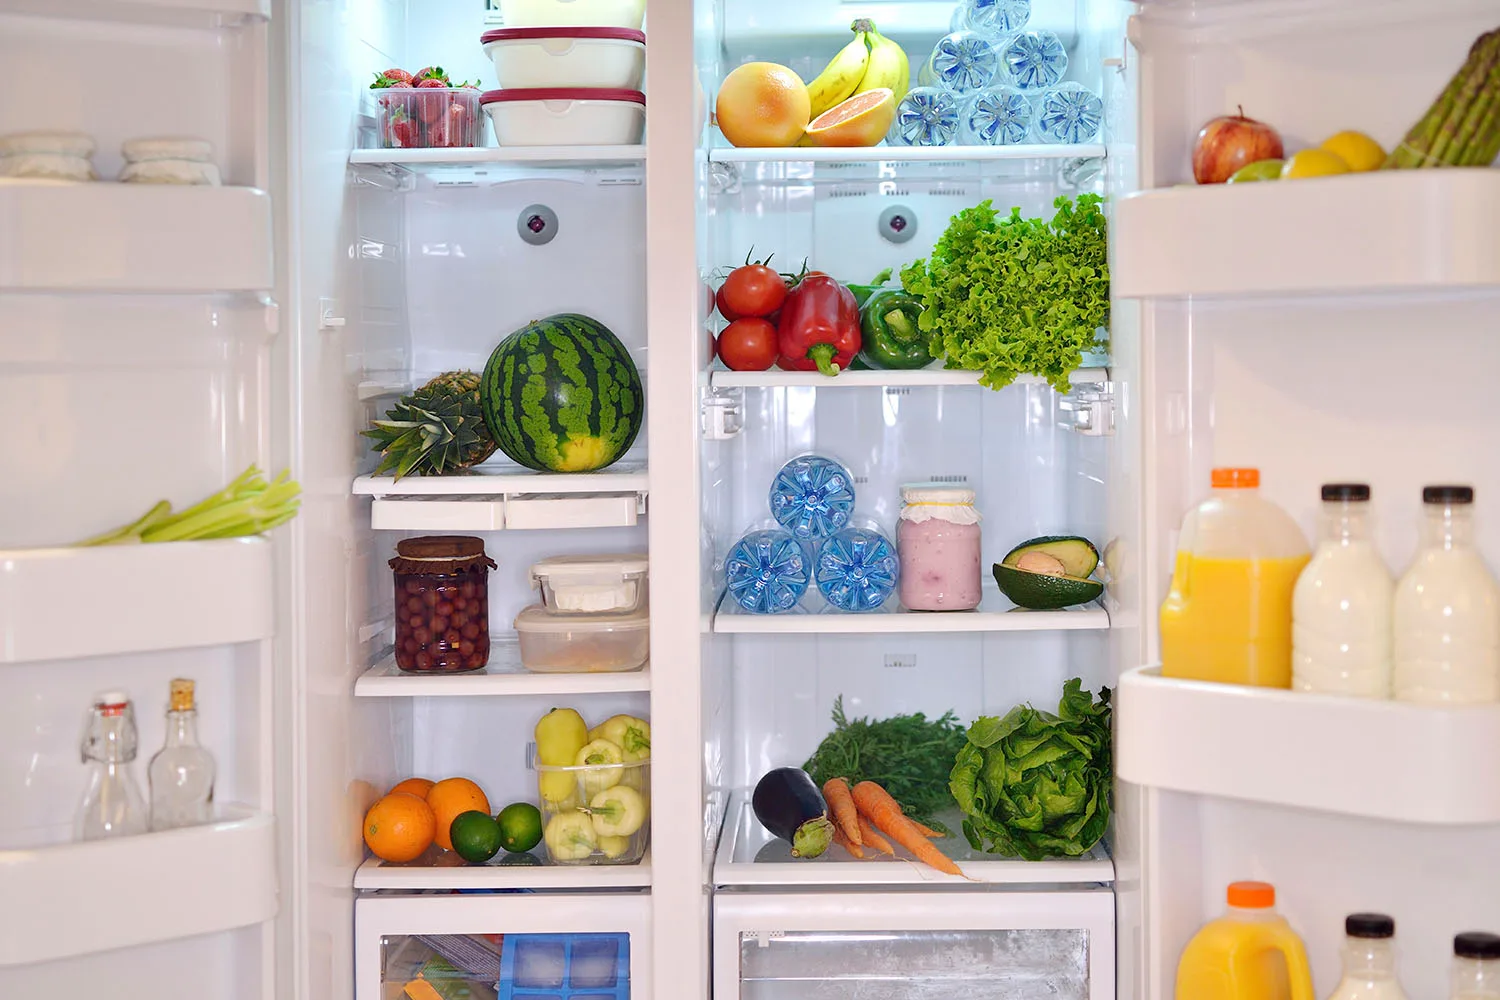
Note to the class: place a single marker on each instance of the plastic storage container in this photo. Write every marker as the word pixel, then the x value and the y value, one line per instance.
pixel 606 817
pixel 566 116
pixel 583 644
pixel 551 13
pixel 1228 614
pixel 430 118
pixel 442 604
pixel 565 967
pixel 592 585
pixel 566 57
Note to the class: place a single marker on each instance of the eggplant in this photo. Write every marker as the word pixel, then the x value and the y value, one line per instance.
pixel 788 803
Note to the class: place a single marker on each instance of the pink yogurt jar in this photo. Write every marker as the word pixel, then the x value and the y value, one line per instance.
pixel 938 545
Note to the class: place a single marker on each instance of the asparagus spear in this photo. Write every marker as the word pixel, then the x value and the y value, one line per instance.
pixel 1439 137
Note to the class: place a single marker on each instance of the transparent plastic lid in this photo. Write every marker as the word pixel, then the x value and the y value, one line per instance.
pixel 537 620
pixel 579 569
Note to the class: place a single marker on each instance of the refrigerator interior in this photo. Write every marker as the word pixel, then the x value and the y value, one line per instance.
pixel 130 390
pixel 1380 387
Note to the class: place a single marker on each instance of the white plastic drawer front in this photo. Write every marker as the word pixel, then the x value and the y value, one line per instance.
pixel 908 946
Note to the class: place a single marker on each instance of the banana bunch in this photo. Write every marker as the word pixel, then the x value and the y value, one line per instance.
pixel 869 61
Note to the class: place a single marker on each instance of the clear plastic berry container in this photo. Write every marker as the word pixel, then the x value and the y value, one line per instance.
pixel 442 604
pixel 596 814
pixel 428 117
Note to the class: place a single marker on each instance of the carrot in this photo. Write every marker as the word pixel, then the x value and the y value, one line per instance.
pixel 844 842
pixel 841 805
pixel 925 830
pixel 873 838
pixel 884 813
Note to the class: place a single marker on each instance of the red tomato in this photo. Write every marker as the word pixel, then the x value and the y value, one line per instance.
pixel 753 290
pixel 748 345
pixel 710 300
pixel 729 314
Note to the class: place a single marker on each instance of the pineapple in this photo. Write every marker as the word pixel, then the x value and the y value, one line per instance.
pixel 436 429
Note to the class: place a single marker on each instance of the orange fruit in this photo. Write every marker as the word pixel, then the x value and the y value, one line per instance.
pixel 399 827
pixel 450 797
pixel 762 104
pixel 862 120
pixel 416 786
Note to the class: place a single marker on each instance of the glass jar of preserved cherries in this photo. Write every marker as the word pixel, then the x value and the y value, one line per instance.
pixel 938 544
pixel 442 604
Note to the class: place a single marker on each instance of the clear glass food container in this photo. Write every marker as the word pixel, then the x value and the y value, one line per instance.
pixel 938 541
pixel 442 604
pixel 596 814
pixel 592 585
pixel 583 644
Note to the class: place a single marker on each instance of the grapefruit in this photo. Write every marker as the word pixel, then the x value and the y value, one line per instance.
pixel 862 120
pixel 762 104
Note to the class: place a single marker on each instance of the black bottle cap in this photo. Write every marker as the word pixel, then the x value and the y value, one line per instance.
pixel 1447 494
pixel 1476 944
pixel 1354 492
pixel 1369 925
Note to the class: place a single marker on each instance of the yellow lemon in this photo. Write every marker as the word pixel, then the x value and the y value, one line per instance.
pixel 1356 149
pixel 1314 163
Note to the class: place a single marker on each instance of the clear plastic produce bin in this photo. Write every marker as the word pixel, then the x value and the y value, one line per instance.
pixel 428 118
pixel 596 814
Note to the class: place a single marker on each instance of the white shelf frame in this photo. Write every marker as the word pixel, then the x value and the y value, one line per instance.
pixel 385 679
pixel 836 869
pixel 424 160
pixel 994 614
pixel 377 874
pixel 490 482
pixel 906 154
pixel 915 378
pixel 175 13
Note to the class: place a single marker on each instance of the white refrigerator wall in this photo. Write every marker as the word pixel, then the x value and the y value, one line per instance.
pixel 1385 389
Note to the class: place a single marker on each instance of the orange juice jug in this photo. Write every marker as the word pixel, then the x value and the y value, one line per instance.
pixel 1250 953
pixel 1228 614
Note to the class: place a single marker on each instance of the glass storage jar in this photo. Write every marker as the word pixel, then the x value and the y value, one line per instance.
pixel 938 544
pixel 442 604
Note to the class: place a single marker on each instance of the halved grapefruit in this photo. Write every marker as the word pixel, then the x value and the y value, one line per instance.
pixel 862 120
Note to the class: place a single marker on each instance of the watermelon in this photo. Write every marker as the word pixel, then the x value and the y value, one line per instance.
pixel 562 395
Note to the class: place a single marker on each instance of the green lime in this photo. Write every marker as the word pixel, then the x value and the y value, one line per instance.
pixel 476 837
pixel 520 826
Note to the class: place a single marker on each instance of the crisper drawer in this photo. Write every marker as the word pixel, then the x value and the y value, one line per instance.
pixel 979 945
pixel 502 946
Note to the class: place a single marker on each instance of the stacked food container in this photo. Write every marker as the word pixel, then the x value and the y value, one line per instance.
pixel 570 73
pixel 594 616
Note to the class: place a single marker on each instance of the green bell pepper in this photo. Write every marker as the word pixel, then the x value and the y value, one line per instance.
pixel 892 339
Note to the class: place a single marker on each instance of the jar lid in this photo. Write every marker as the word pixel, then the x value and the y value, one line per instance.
pixel 936 493
pixel 590 567
pixel 1369 925
pixel 1476 944
pixel 1447 494
pixel 440 554
pixel 1348 492
pixel 536 619
pixel 576 31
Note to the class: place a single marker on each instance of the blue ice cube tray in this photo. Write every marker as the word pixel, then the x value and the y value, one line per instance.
pixel 565 967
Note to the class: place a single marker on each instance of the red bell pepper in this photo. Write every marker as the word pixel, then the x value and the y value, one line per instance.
pixel 819 326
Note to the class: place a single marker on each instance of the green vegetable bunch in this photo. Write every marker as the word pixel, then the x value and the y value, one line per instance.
pixel 247 506
pixel 908 755
pixel 1037 785
pixel 1016 296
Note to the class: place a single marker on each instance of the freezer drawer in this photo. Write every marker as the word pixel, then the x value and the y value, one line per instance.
pixel 978 944
pixel 502 946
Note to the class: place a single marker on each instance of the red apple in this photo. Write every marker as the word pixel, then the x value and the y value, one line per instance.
pixel 1228 143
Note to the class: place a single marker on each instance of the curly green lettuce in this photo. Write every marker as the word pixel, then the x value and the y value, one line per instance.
pixel 1037 785
pixel 1015 296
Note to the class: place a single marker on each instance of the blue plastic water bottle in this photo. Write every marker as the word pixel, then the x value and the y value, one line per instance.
pixel 812 496
pixel 963 62
pixel 1000 116
pixel 1069 113
pixel 926 116
pixel 995 17
pixel 1034 60
pixel 857 569
pixel 767 571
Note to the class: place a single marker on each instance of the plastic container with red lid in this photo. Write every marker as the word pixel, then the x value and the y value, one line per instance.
pixel 566 116
pixel 542 13
pixel 566 57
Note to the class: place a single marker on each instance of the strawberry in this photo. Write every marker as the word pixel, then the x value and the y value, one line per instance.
pixel 430 73
pixel 404 131
pixel 399 99
pixel 457 125
pixel 430 107
pixel 391 78
pixel 439 135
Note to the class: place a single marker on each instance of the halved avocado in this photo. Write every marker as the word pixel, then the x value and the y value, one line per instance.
pixel 1077 555
pixel 1048 573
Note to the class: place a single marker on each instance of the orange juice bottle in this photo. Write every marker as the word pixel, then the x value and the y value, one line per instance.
pixel 1250 953
pixel 1228 614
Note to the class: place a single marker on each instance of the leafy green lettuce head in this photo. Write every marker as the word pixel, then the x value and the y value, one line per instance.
pixel 1034 784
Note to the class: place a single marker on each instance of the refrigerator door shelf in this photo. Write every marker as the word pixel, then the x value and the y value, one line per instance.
pixel 78 898
pixel 107 237
pixel 1388 230
pixel 133 598
pixel 1385 760
pixel 173 13
pixel 749 856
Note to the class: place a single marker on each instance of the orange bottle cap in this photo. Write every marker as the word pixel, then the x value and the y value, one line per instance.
pixel 1235 479
pixel 1252 895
